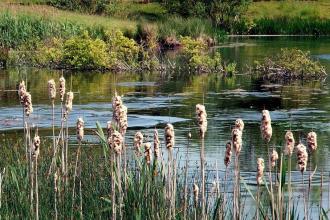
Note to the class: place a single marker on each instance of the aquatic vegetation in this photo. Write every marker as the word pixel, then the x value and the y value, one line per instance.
pixel 290 64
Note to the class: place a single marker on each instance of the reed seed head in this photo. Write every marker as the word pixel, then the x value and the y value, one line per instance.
pixel 289 143
pixel 169 136
pixel 21 91
pixel 68 104
pixel 273 157
pixel 117 142
pixel 110 129
pixel 239 124
pixel 62 88
pixel 156 144
pixel 35 147
pixel 228 154
pixel 266 127
pixel 196 192
pixel 148 152
pixel 51 89
pixel 80 129
pixel 201 117
pixel 260 170
pixel 27 103
pixel 302 157
pixel 236 140
pixel 123 124
pixel 138 142
pixel 312 141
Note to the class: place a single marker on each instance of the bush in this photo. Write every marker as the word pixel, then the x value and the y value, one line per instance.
pixel 290 64
pixel 85 53
pixel 122 50
pixel 195 54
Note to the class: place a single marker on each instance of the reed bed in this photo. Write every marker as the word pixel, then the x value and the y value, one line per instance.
pixel 147 187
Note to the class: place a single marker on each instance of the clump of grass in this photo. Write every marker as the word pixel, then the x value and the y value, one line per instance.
pixel 290 64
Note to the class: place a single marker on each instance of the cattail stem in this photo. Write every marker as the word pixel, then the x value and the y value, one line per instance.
pixel 321 196
pixel 304 195
pixel 186 182
pixel 55 196
pixel 37 190
pixel 113 191
pixel 289 187
pixel 202 157
pixel 74 179
pixel 224 193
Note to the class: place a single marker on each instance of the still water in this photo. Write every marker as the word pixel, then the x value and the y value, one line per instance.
pixel 153 99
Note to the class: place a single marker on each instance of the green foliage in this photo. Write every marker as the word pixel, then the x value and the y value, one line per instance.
pixel 290 64
pixel 122 49
pixel 90 6
pixel 196 55
pixel 222 13
pixel 85 53
pixel 18 30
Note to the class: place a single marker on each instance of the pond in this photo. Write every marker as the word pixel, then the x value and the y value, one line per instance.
pixel 153 99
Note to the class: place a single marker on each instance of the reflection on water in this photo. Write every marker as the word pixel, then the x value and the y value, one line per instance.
pixel 154 99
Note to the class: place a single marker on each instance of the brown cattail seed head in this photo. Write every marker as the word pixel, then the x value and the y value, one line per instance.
pixel 123 119
pixel 27 103
pixel 302 157
pixel 138 142
pixel 228 154
pixel 35 147
pixel 156 144
pixel 80 129
pixel 147 152
pixel 110 129
pixel 266 127
pixel 312 141
pixel 236 140
pixel 196 192
pixel 21 91
pixel 68 104
pixel 116 104
pixel 117 142
pixel 169 136
pixel 273 157
pixel 260 170
pixel 62 88
pixel 51 89
pixel 289 143
pixel 239 124
pixel 201 119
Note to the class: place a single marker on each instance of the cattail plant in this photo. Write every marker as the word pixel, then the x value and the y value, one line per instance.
pixel 169 142
pixel 273 158
pixel 227 160
pixel 260 170
pixel 52 96
pixel 117 142
pixel 201 117
pixel 302 158
pixel 239 124
pixel 196 192
pixel 77 173
pixel 288 150
pixel 148 152
pixel 156 144
pixel 289 143
pixel 62 88
pixel 138 142
pixel 68 104
pixel 236 142
pixel 21 91
pixel 266 127
pixel 27 103
pixel 169 136
pixel 311 141
pixel 35 154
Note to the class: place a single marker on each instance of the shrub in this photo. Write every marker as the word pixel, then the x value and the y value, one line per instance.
pixel 290 64
pixel 122 50
pixel 85 53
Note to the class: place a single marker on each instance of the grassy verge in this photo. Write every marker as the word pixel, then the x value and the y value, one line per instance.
pixel 286 17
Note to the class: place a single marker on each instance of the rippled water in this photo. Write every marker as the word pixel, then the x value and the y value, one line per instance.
pixel 154 99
